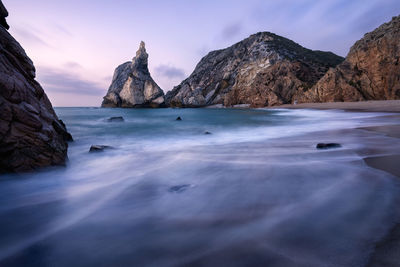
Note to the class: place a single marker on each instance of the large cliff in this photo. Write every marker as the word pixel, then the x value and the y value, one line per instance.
pixel 263 70
pixel 31 135
pixel 371 70
pixel 132 85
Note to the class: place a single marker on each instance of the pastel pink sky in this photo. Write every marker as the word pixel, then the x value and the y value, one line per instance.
pixel 76 45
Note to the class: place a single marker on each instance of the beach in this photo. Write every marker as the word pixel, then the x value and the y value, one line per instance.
pixel 254 190
pixel 369 106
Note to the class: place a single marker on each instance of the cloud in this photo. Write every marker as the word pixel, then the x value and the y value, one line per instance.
pixel 30 36
pixel 72 65
pixel 325 25
pixel 62 29
pixel 169 71
pixel 62 81
pixel 230 31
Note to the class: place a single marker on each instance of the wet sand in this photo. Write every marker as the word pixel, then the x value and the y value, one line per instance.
pixel 387 250
pixel 388 163
pixel 370 106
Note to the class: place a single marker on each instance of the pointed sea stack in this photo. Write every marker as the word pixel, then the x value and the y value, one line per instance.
pixel 132 85
pixel 262 70
pixel 31 135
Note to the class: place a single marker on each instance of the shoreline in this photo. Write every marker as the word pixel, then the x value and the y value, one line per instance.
pixel 390 106
pixel 387 250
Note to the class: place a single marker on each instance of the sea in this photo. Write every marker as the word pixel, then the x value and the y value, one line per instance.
pixel 220 187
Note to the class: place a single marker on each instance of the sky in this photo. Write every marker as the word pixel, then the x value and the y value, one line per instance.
pixel 77 44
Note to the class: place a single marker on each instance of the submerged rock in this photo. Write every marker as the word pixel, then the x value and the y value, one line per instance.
pixel 371 70
pixel 132 85
pixel 31 135
pixel 99 148
pixel 262 70
pixel 116 119
pixel 178 188
pixel 327 145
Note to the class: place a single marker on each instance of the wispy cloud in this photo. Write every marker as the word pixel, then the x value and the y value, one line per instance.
pixel 326 25
pixel 232 30
pixel 63 81
pixel 30 36
pixel 169 71
pixel 62 29
pixel 72 65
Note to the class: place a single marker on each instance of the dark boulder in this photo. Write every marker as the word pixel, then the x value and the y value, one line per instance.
pixel 115 119
pixel 99 148
pixel 178 188
pixel 327 145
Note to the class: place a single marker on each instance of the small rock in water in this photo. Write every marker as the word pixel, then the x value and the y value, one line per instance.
pixel 179 119
pixel 178 188
pixel 99 148
pixel 207 132
pixel 327 145
pixel 112 119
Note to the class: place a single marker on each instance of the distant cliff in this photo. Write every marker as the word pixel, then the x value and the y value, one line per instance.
pixel 262 70
pixel 371 70
pixel 132 85
pixel 31 135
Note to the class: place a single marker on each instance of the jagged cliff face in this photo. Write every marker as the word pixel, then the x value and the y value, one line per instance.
pixel 31 135
pixel 132 85
pixel 262 70
pixel 371 70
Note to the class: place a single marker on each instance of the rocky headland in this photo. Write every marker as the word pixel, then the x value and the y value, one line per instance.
pixel 263 70
pixel 132 85
pixel 371 70
pixel 31 135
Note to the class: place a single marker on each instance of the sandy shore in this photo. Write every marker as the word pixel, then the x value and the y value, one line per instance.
pixel 371 106
pixel 387 250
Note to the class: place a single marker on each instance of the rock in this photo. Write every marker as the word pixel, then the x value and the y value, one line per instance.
pixel 132 85
pixel 99 148
pixel 115 119
pixel 262 70
pixel 31 135
pixel 3 15
pixel 60 128
pixel 179 119
pixel 371 70
pixel 178 188
pixel 327 145
pixel 207 132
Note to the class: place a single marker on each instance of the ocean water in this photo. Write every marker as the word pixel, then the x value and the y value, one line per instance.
pixel 254 192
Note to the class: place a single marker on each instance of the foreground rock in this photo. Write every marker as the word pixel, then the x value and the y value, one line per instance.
pixel 99 148
pixel 371 70
pixel 327 145
pixel 116 119
pixel 262 70
pixel 132 85
pixel 31 135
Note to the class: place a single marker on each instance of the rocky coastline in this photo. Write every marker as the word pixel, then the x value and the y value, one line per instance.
pixel 31 134
pixel 267 70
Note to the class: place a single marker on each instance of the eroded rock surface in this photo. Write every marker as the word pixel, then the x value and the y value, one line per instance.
pixel 262 70
pixel 31 135
pixel 132 85
pixel 371 70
